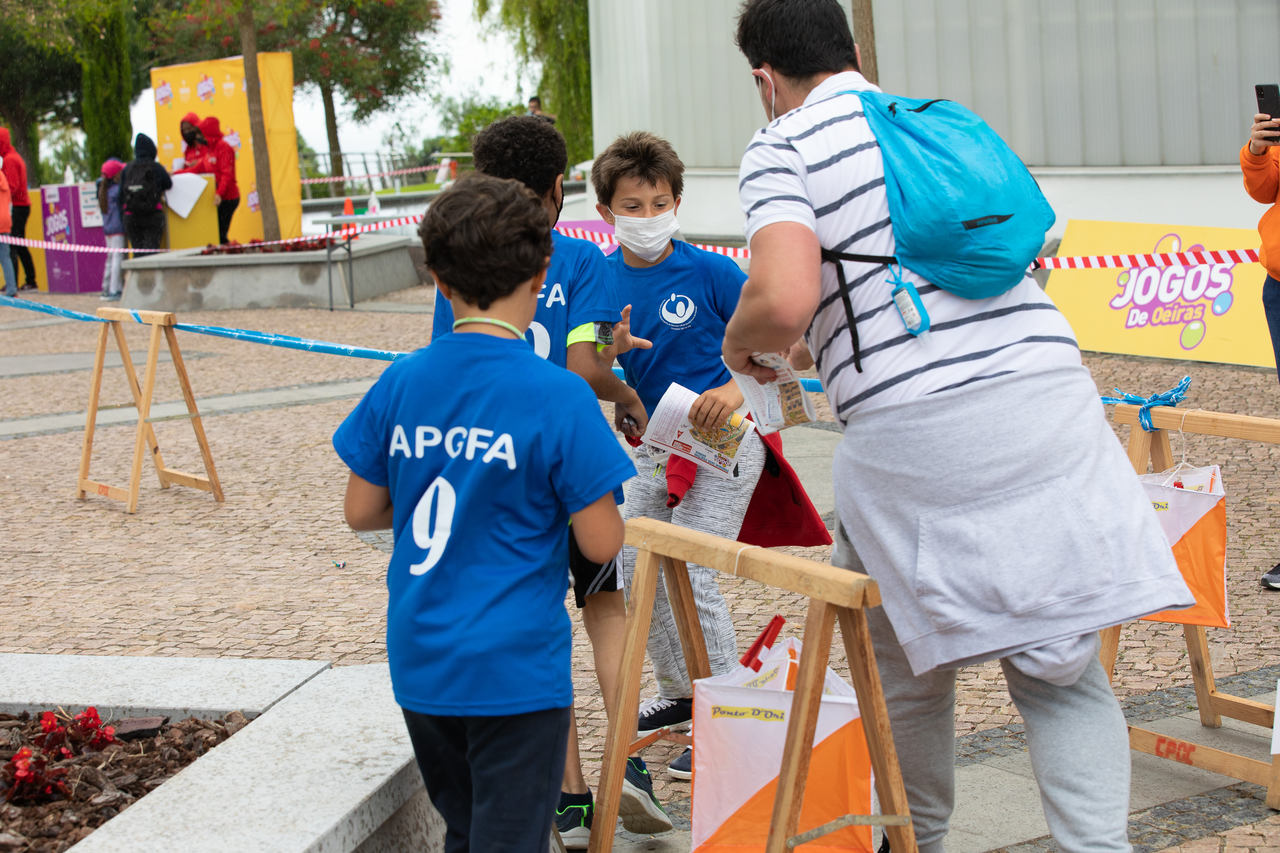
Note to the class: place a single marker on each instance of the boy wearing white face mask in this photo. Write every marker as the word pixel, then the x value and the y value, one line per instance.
pixel 681 299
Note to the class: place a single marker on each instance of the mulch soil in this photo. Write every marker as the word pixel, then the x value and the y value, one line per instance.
pixel 101 784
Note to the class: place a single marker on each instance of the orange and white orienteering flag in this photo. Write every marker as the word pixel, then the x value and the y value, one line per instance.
pixel 739 726
pixel 1192 507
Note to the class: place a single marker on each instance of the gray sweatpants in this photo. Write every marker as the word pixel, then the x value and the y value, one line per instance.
pixel 1076 735
pixel 712 505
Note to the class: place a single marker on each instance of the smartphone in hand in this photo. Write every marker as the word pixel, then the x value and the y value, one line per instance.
pixel 1268 95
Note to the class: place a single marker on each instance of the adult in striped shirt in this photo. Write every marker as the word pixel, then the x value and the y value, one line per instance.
pixel 977 481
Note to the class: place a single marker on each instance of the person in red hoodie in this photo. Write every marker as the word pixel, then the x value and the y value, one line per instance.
pixel 1260 163
pixel 196 145
pixel 220 160
pixel 15 172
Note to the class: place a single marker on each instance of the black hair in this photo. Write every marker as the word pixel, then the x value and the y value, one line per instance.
pixel 525 148
pixel 484 237
pixel 799 38
pixel 638 154
pixel 534 99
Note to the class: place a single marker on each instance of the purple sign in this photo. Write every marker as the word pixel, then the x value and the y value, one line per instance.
pixel 71 272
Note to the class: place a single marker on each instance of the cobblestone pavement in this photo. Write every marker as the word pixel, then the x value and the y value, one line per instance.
pixel 273 572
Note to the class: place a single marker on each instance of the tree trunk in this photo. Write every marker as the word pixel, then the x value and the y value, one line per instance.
pixel 864 33
pixel 258 127
pixel 331 128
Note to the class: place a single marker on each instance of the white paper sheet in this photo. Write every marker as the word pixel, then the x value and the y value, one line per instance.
pixel 185 193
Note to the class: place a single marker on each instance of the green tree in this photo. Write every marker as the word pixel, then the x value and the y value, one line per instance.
pixel 372 53
pixel 39 77
pixel 104 55
pixel 463 118
pixel 555 33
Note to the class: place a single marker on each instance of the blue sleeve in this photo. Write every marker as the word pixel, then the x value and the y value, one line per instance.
pixel 362 441
pixel 593 298
pixel 442 320
pixel 727 280
pixel 590 462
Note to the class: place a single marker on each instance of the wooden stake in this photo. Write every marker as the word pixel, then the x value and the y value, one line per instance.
pixel 1154 446
pixel 161 324
pixel 833 593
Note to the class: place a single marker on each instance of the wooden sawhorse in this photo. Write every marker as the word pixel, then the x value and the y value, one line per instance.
pixel 161 324
pixel 834 594
pixel 1154 446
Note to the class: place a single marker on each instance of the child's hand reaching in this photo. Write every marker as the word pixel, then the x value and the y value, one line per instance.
pixel 713 407
pixel 623 340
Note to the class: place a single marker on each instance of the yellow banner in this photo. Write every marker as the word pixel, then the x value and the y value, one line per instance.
pixel 217 88
pixel 1210 312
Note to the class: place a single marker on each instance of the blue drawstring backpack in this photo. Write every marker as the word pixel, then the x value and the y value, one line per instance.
pixel 967 215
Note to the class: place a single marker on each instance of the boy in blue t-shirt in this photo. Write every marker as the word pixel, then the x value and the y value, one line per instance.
pixel 577 313
pixel 681 299
pixel 479 489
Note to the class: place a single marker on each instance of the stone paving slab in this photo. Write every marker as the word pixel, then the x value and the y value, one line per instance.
pixel 29 365
pixel 175 409
pixel 173 687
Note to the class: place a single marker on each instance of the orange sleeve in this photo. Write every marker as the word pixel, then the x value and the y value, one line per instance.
pixel 1261 174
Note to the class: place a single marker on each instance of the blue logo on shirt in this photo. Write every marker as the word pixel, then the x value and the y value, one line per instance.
pixel 678 311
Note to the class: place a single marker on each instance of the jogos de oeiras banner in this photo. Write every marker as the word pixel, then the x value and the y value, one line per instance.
pixel 1208 312
pixel 217 88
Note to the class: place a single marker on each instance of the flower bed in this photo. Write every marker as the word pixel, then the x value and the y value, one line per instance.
pixel 62 776
pixel 234 247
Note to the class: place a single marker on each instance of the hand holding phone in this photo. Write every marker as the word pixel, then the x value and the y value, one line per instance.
pixel 1268 95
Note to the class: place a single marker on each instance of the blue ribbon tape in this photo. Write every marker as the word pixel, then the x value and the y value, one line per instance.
pixel 15 302
pixel 1172 397
pixel 275 340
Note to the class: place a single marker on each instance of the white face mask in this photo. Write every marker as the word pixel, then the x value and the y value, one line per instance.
pixel 647 236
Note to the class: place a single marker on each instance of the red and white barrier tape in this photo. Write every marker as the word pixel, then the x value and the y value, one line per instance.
pixel 604 241
pixel 1184 259
pixel 51 246
pixel 355 178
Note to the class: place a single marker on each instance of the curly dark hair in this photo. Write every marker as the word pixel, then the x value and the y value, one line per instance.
pixel 799 38
pixel 526 148
pixel 484 237
pixel 638 154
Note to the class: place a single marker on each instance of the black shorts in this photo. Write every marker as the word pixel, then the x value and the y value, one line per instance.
pixel 588 577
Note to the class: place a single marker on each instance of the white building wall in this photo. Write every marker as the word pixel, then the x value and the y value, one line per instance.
pixel 1094 86
pixel 1090 82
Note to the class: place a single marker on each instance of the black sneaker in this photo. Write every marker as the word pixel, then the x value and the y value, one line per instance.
pixel 682 767
pixel 1271 580
pixel 659 713
pixel 638 807
pixel 573 820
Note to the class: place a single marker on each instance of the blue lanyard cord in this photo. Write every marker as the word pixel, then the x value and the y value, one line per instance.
pixel 1172 397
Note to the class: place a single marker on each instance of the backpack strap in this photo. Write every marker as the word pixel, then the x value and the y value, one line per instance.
pixel 843 286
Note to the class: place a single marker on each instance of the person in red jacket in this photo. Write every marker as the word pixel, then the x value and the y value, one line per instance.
pixel 196 145
pixel 1260 163
pixel 15 172
pixel 220 160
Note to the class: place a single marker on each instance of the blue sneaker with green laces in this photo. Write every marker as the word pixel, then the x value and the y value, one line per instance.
pixel 638 807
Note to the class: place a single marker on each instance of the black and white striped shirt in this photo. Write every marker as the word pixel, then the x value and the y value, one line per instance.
pixel 819 165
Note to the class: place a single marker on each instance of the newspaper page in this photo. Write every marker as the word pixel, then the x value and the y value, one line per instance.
pixel 778 404
pixel 669 428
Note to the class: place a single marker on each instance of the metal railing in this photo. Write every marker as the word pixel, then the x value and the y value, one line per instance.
pixel 367 171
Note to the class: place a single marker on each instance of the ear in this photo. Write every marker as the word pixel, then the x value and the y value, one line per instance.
pixel 676 207
pixel 440 285
pixel 605 213
pixel 535 283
